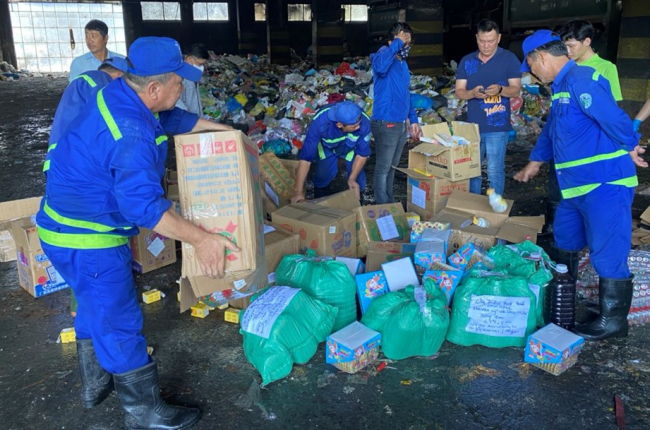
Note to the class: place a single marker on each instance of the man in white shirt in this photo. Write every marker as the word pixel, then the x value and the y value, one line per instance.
pixel 96 40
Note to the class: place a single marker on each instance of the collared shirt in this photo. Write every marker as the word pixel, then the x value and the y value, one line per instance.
pixel 86 62
pixel 82 89
pixel 190 98
pixel 587 135
pixel 104 176
pixel 334 142
pixel 392 78
pixel 609 72
pixel 492 114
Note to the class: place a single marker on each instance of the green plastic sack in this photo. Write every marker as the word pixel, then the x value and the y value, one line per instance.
pixel 323 279
pixel 511 258
pixel 294 336
pixel 492 309
pixel 412 321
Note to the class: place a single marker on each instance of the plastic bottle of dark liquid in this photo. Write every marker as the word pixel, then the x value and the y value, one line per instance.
pixel 560 299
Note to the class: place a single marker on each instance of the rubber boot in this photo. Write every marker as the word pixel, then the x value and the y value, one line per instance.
pixel 546 239
pixel 569 258
pixel 139 394
pixel 97 383
pixel 615 301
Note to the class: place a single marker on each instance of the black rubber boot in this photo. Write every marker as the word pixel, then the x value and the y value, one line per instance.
pixel 97 383
pixel 545 239
pixel 615 301
pixel 139 393
pixel 569 258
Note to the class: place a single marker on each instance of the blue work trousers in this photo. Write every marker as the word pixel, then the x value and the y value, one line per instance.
pixel 328 168
pixel 602 220
pixel 108 310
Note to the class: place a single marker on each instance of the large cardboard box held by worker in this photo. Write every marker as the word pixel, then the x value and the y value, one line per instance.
pixel 151 251
pixel 277 243
pixel 453 163
pixel 427 195
pixel 463 207
pixel 279 182
pixel 219 184
pixel 35 272
pixel 328 231
pixel 380 223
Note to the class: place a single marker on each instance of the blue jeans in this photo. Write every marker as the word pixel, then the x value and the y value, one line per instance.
pixel 493 145
pixel 390 138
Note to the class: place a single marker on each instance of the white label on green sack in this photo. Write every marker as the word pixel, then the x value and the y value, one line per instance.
pixel 260 316
pixel 498 316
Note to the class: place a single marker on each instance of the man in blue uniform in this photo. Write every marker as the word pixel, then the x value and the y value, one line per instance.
pixel 595 152
pixel 103 181
pixel 392 113
pixel 83 88
pixel 341 130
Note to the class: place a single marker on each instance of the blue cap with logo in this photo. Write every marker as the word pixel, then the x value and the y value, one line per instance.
pixel 118 63
pixel 346 112
pixel 158 55
pixel 534 41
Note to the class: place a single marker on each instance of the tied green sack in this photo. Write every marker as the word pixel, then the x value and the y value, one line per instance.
pixel 412 321
pixel 512 259
pixel 492 309
pixel 323 279
pixel 301 323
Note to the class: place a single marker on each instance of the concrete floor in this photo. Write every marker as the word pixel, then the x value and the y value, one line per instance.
pixel 201 361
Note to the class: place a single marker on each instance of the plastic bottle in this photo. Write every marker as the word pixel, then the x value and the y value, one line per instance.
pixel 560 299
pixel 536 256
pixel 481 222
pixel 498 203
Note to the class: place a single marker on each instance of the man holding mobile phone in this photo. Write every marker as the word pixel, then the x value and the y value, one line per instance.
pixel 488 78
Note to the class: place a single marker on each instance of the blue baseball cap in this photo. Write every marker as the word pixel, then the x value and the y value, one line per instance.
pixel 118 63
pixel 157 55
pixel 534 41
pixel 346 112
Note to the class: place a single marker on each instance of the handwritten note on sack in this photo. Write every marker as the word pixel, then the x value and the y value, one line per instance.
pixel 262 313
pixel 498 316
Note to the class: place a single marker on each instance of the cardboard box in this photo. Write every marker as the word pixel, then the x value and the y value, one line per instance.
pixel 462 207
pixel 400 274
pixel 268 207
pixel 151 296
pixel 277 243
pixel 353 347
pixel 369 286
pixel 220 191
pixel 452 163
pixel 428 253
pixel 345 200
pixel 231 315
pixel 382 252
pixel 9 211
pixel 445 277
pixel 328 231
pixel 279 182
pixel 355 265
pixel 35 272
pixel 553 349
pixel 412 218
pixel 427 195
pixel 151 251
pixel 380 223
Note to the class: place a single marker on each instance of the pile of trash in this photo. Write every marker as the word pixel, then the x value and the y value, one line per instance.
pixel 274 104
pixel 9 72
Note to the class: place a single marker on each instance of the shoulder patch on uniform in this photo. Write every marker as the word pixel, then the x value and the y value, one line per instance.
pixel 585 100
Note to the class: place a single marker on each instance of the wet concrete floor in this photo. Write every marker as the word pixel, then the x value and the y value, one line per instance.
pixel 201 361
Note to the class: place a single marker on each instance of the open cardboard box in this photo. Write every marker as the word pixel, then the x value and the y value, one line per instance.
pixel 452 163
pixel 462 207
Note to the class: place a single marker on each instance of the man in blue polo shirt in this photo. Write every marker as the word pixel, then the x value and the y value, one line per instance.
pixel 103 181
pixel 595 151
pixel 340 130
pixel 488 79
pixel 96 34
